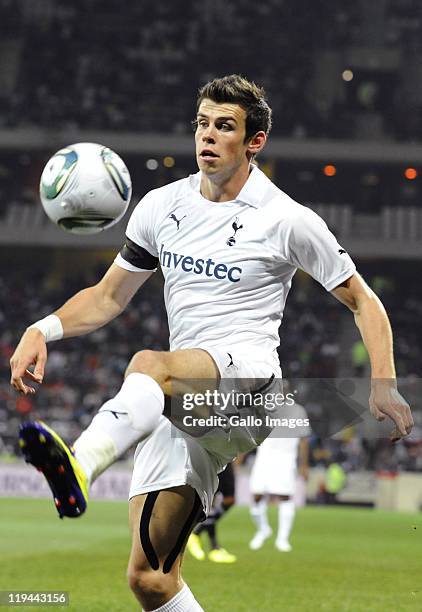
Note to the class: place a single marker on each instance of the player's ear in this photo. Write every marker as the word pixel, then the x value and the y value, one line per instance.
pixel 257 142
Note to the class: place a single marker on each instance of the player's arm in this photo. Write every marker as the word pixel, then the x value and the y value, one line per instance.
pixel 85 312
pixel 374 326
pixel 95 306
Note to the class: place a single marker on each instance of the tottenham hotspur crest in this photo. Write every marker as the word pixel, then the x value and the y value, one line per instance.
pixel 235 225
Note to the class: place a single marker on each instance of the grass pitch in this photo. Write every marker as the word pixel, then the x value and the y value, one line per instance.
pixel 342 560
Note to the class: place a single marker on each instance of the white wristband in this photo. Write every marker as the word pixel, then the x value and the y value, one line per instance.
pixel 50 326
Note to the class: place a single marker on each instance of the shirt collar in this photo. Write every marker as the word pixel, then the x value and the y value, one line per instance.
pixel 252 192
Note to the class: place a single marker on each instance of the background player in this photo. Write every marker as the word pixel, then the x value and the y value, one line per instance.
pixel 274 473
pixel 224 499
pixel 225 289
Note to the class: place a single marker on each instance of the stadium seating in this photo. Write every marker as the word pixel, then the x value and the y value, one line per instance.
pixel 146 79
pixel 82 373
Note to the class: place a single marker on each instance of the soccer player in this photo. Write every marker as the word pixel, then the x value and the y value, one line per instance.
pixel 224 499
pixel 278 460
pixel 228 242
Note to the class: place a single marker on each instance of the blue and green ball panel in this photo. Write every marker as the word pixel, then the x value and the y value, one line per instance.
pixel 57 173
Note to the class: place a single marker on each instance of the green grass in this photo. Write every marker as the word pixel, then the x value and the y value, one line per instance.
pixel 342 560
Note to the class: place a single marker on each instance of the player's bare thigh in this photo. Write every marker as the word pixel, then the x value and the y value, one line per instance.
pixel 168 524
pixel 176 371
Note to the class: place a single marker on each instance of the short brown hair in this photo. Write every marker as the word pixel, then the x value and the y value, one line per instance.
pixel 235 89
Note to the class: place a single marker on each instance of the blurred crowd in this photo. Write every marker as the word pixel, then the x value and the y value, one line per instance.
pixel 91 64
pixel 84 372
pixel 331 70
pixel 319 341
pixel 367 190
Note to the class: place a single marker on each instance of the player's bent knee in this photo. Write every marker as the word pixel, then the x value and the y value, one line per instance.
pixel 143 580
pixel 148 362
pixel 150 585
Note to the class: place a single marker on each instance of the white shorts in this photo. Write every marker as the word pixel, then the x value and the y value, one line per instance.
pixel 273 473
pixel 169 458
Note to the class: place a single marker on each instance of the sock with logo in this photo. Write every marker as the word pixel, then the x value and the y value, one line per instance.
pixel 183 601
pixel 129 417
pixel 286 516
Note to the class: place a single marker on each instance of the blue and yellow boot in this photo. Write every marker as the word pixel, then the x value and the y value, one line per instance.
pixel 46 451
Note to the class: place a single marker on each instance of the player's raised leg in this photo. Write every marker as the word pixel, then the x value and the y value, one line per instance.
pixel 160 523
pixel 136 409
pixel 122 421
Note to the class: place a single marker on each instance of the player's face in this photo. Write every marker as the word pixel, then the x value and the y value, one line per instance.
pixel 220 138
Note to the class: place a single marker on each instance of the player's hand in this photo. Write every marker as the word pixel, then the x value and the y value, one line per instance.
pixel 31 351
pixel 384 401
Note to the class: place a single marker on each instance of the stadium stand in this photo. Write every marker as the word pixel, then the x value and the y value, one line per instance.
pixel 98 69
pixel 124 76
pixel 88 370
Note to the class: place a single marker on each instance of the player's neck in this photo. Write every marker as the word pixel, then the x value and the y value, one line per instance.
pixel 224 189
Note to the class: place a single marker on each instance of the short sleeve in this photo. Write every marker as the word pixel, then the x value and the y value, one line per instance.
pixel 139 251
pixel 313 248
pixel 141 225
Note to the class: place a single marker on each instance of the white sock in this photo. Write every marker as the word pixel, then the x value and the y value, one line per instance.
pixel 286 516
pixel 121 422
pixel 259 515
pixel 184 601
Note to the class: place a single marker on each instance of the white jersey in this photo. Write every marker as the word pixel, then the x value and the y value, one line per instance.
pixel 228 266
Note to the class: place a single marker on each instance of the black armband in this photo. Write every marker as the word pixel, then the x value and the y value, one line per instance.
pixel 137 256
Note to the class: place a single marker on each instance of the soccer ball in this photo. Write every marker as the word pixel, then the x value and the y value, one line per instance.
pixel 85 188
